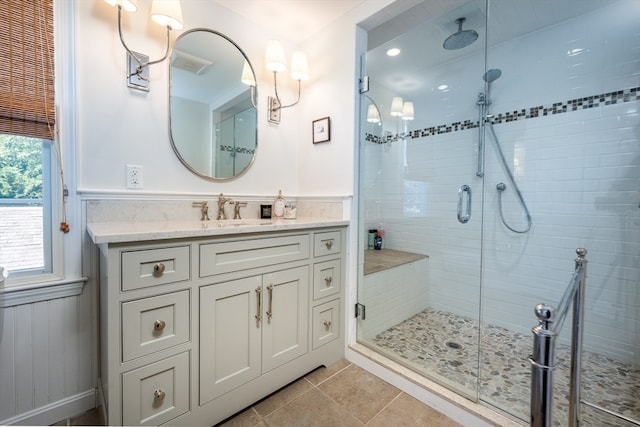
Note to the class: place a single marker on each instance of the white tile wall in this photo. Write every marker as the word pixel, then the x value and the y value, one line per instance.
pixel 579 173
pixel 392 296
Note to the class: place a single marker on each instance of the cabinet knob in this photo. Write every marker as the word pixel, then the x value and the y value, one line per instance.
pixel 158 269
pixel 328 280
pixel 327 324
pixel 329 244
pixel 158 395
pixel 159 325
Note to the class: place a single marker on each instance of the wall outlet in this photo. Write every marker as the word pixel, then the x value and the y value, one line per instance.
pixel 134 176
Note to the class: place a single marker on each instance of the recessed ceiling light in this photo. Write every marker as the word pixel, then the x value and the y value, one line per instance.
pixel 394 51
pixel 443 87
pixel 574 52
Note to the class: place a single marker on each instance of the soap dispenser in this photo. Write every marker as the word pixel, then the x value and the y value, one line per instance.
pixel 279 205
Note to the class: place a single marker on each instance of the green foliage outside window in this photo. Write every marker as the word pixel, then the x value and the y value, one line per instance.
pixel 20 167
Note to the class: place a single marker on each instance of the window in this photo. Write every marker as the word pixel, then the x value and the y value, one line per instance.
pixel 28 167
pixel 25 205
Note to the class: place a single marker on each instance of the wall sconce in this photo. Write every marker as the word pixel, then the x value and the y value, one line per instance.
pixel 402 109
pixel 407 111
pixel 166 13
pixel 275 62
pixel 396 106
pixel 373 115
pixel 247 78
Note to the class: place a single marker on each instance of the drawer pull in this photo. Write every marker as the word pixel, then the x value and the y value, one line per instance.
pixel 159 325
pixel 270 310
pixel 328 280
pixel 329 244
pixel 259 310
pixel 327 324
pixel 158 269
pixel 158 395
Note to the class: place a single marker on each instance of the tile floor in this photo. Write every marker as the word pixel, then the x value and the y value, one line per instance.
pixel 341 395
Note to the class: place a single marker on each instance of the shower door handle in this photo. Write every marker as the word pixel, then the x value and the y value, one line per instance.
pixel 461 193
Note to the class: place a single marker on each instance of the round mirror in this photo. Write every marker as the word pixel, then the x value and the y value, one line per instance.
pixel 212 105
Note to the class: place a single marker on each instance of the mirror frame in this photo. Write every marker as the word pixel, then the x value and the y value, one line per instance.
pixel 254 96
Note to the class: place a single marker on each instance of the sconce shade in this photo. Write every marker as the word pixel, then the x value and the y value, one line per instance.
pixel 372 114
pixel 407 111
pixel 247 75
pixel 299 66
pixel 396 106
pixel 167 13
pixel 128 5
pixel 274 57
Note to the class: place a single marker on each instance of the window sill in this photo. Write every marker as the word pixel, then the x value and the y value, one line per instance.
pixel 26 294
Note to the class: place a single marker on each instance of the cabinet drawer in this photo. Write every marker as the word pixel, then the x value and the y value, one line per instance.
pixel 326 279
pixel 326 243
pixel 326 323
pixel 156 393
pixel 153 324
pixel 216 258
pixel 151 267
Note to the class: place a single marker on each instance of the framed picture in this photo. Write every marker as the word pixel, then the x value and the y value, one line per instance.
pixel 321 130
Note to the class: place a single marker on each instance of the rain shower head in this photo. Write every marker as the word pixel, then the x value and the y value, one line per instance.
pixel 492 75
pixel 462 38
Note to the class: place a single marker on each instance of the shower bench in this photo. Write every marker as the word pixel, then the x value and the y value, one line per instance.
pixel 394 288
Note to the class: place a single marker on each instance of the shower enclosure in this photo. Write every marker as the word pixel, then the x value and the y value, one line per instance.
pixel 504 135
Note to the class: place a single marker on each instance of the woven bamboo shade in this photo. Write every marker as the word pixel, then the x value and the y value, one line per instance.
pixel 27 104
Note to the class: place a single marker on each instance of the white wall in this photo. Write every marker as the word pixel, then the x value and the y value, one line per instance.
pixel 578 171
pixel 120 126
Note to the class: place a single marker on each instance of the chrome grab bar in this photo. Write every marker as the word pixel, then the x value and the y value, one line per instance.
pixel 461 191
pixel 542 360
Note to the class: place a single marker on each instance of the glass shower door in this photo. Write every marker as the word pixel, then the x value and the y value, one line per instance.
pixel 419 189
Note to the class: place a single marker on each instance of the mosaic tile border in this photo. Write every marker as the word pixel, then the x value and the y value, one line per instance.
pixel 240 150
pixel 604 99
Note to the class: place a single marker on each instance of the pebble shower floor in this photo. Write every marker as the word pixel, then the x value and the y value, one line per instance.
pixel 445 345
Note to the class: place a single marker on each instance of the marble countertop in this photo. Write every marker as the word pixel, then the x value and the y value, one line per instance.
pixel 120 232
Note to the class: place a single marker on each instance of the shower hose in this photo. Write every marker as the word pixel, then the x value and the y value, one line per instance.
pixel 501 186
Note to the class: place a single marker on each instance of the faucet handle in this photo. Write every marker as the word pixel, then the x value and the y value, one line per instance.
pixel 236 210
pixel 204 210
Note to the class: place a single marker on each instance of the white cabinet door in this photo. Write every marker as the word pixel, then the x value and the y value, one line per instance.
pixel 229 336
pixel 285 319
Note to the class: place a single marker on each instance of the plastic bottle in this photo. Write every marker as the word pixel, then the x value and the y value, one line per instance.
pixel 371 238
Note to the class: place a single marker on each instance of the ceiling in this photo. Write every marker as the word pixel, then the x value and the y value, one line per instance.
pixel 294 20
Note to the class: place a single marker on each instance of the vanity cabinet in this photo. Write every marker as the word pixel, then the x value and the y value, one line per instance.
pixel 195 329
pixel 255 324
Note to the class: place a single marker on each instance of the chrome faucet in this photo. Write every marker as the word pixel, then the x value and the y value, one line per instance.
pixel 221 201
pixel 236 210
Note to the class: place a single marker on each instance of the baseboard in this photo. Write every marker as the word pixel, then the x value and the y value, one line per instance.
pixel 55 411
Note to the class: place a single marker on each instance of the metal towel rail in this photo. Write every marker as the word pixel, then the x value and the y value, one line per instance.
pixel 544 344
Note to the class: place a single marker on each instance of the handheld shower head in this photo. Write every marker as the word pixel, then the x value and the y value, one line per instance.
pixel 492 75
